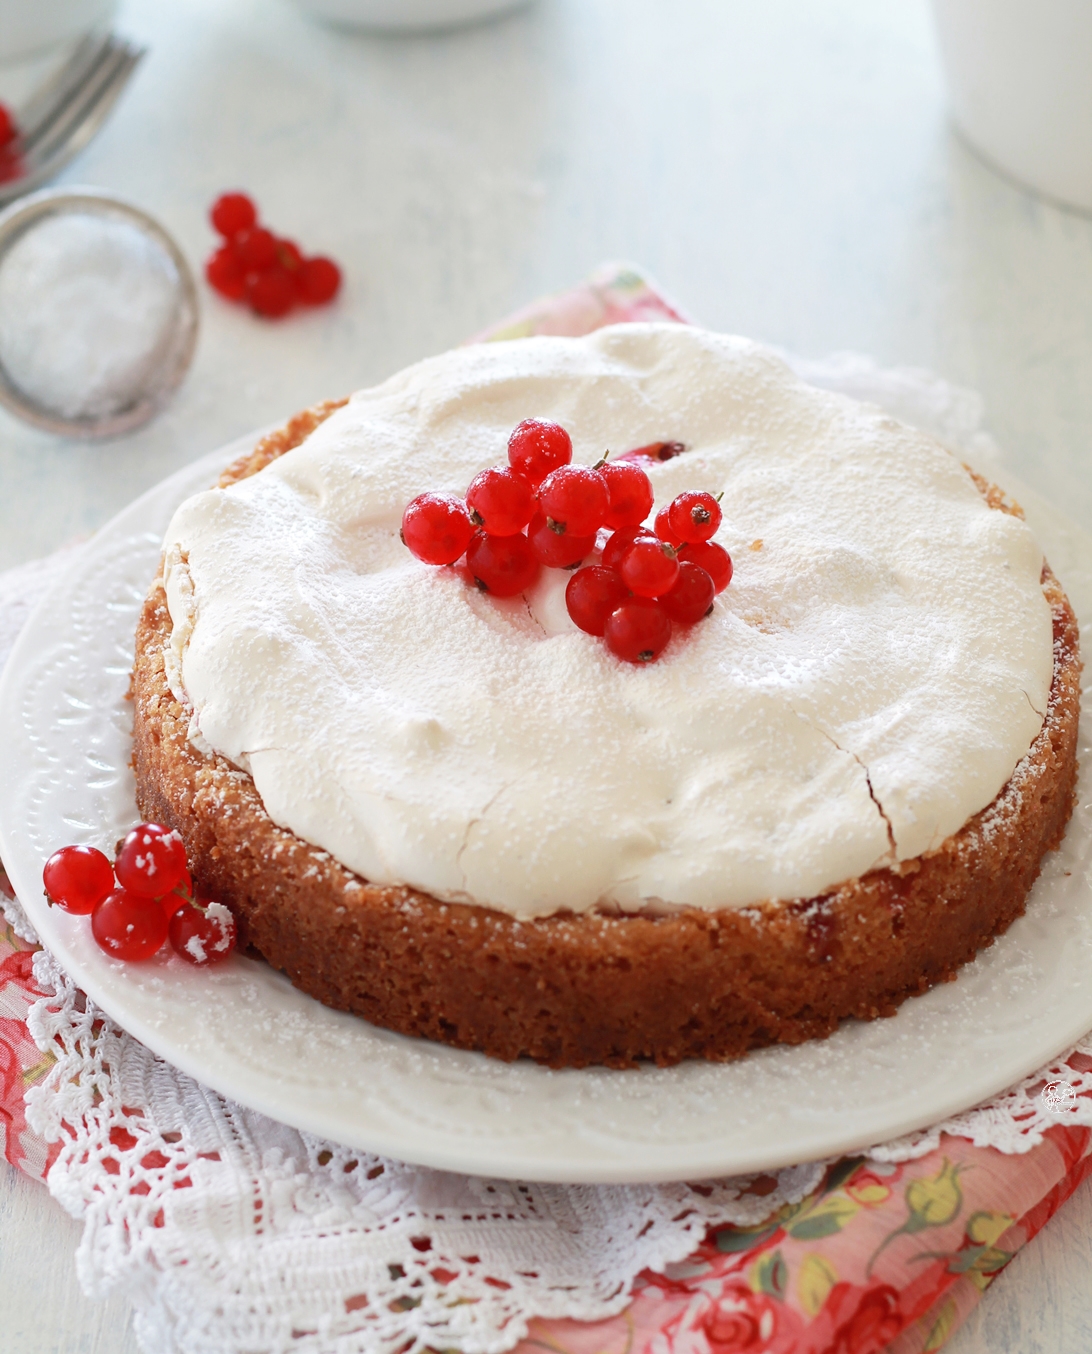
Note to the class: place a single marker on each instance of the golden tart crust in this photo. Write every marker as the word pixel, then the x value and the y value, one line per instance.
pixel 573 991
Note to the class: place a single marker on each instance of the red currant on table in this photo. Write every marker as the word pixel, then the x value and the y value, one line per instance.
pixel 574 498
pixel 649 567
pixel 232 213
pixel 151 862
pixel 225 274
pixel 536 447
pixel 271 292
pixel 502 565
pixel 690 597
pixel 558 550
pixel 500 501
pixel 436 528
pixel 202 932
pixel 694 516
pixel 78 878
pixel 630 492
pixel 713 558
pixel 319 280
pixel 591 595
pixel 662 527
pixel 128 925
pixel 620 542
pixel 638 631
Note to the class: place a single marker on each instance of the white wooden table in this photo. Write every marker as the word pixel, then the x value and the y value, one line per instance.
pixel 783 168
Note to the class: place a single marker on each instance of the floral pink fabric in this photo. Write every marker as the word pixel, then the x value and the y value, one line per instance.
pixel 880 1257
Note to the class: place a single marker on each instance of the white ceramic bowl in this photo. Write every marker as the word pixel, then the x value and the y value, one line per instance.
pixel 405 16
pixel 1020 82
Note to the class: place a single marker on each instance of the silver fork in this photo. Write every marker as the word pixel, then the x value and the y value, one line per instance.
pixel 67 109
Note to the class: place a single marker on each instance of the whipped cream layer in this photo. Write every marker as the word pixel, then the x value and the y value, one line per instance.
pixel 870 679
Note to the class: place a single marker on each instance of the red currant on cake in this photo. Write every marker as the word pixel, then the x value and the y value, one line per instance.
pixel 436 528
pixel 637 631
pixel 77 878
pixel 537 447
pixel 558 551
pixel 630 493
pixel 502 565
pixel 713 558
pixel 129 925
pixel 202 932
pixel 649 567
pixel 151 862
pixel 574 498
pixel 690 597
pixel 500 501
pixel 591 595
pixel 694 516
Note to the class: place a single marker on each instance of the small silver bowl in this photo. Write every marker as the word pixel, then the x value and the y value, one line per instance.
pixel 150 380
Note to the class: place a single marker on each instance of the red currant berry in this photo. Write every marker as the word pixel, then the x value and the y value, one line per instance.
pixel 556 551
pixel 12 164
pixel 500 501
pixel 694 516
pixel 129 926
pixel 319 280
pixel 77 878
pixel 630 492
pixel 662 527
pixel 691 595
pixel 255 248
pixel 713 558
pixel 151 862
pixel 535 448
pixel 655 451
pixel 289 256
pixel 225 275
pixel 8 129
pixel 637 631
pixel 179 896
pixel 620 542
pixel 202 932
pixel 272 292
pixel 436 528
pixel 574 498
pixel 502 565
pixel 232 213
pixel 591 595
pixel 649 567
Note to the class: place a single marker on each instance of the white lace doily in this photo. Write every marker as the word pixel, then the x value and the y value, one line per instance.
pixel 231 1232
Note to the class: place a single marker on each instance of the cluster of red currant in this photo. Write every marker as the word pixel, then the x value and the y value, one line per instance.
pixel 11 159
pixel 145 898
pixel 256 266
pixel 542 510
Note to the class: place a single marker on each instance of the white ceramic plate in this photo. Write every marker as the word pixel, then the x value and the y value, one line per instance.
pixel 65 731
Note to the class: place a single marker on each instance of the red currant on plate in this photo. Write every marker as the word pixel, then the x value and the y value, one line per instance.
pixel 713 558
pixel 128 925
pixel 620 542
pixel 654 451
pixel 271 292
pixel 502 565
pixel 78 878
pixel 500 501
pixel 574 498
pixel 661 525
pixel 591 595
pixel 8 131
pixel 690 597
pixel 151 862
pixel 694 516
pixel 436 528
pixel 318 280
pixel 558 550
pixel 202 932
pixel 225 274
pixel 537 447
pixel 649 567
pixel 232 213
pixel 630 491
pixel 638 631
pixel 255 248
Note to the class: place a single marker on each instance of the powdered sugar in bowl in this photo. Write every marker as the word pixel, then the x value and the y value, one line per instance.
pixel 98 313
